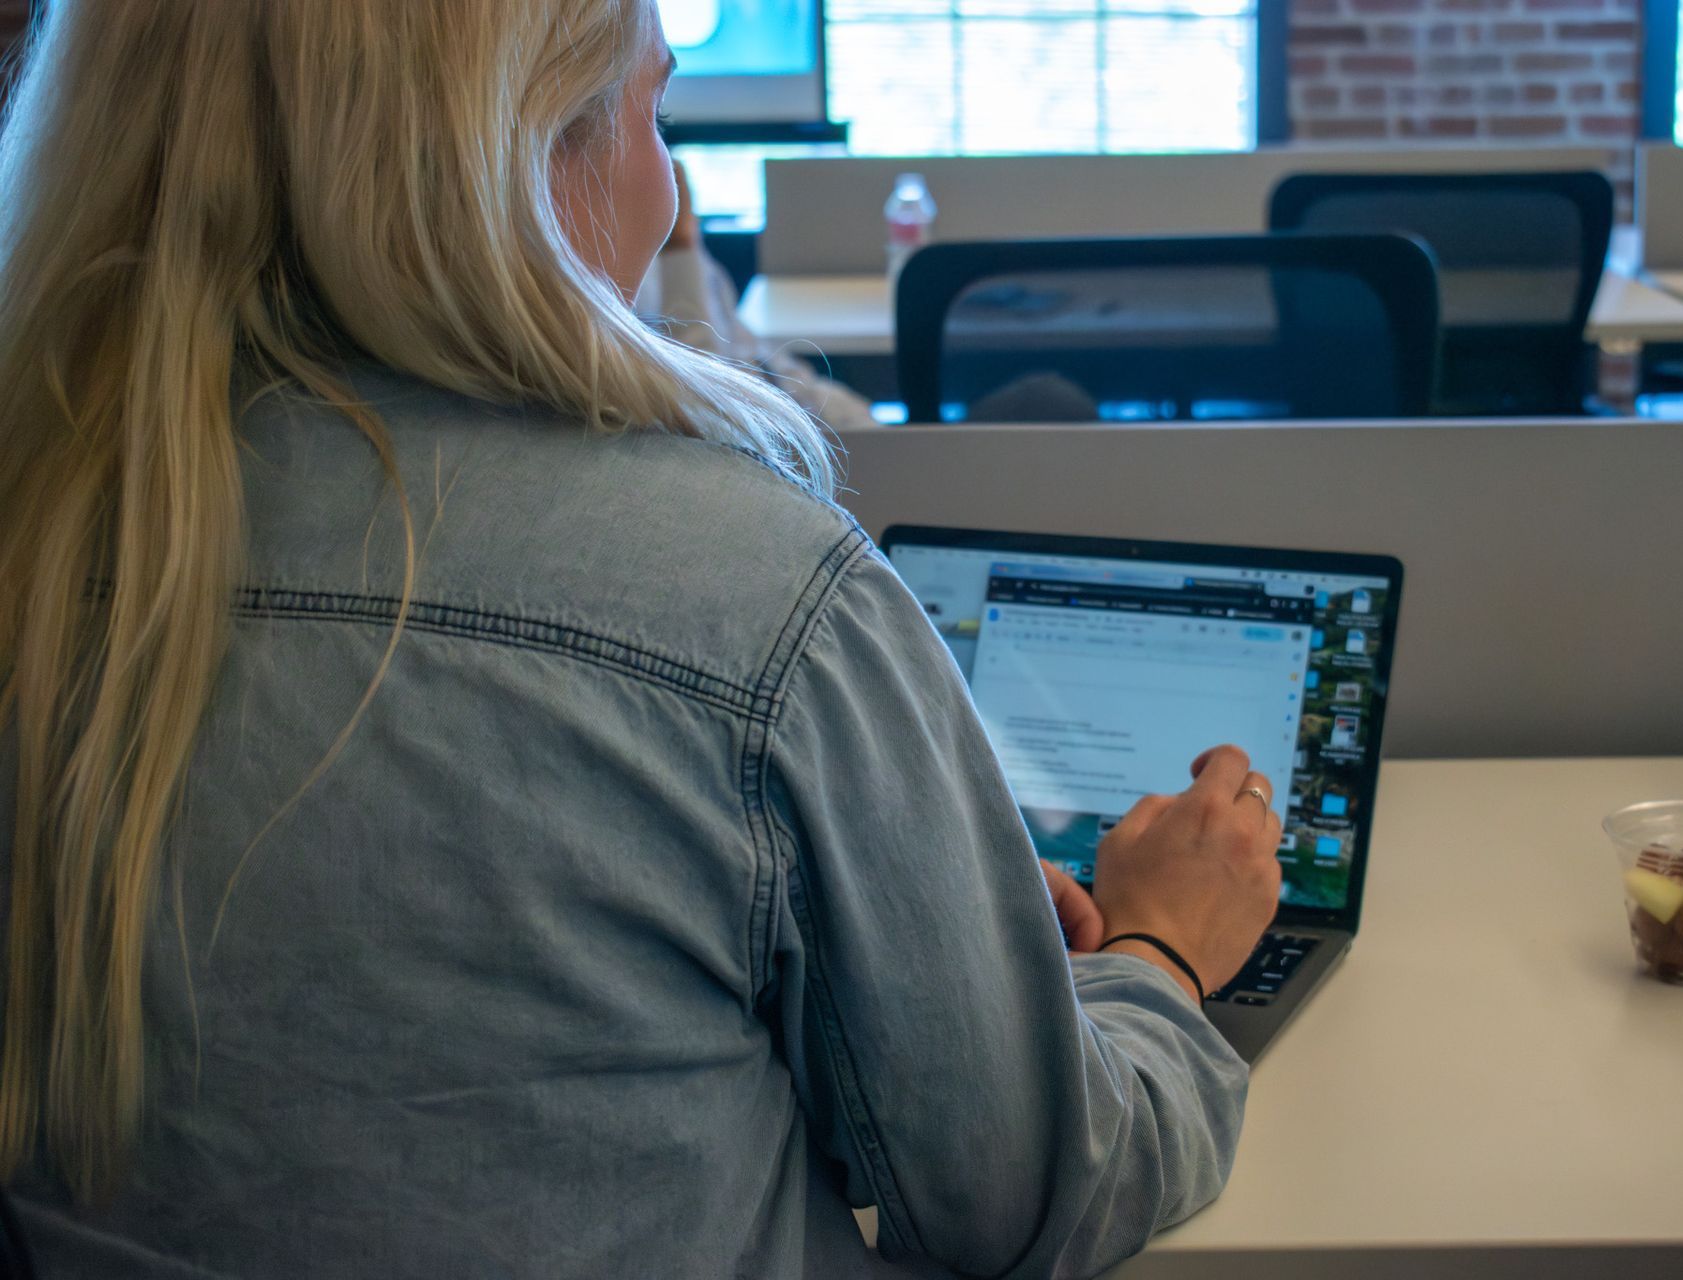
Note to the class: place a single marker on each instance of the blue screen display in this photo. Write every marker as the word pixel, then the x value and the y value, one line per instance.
pixel 741 37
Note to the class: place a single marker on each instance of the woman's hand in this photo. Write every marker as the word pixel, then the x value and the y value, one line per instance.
pixel 1198 870
pixel 1078 915
pixel 686 228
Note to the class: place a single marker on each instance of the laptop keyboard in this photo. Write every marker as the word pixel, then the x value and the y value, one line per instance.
pixel 1273 962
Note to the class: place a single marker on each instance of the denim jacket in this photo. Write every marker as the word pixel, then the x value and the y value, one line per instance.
pixel 665 901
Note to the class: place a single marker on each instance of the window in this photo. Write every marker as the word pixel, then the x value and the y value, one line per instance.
pixel 972 77
pixel 942 77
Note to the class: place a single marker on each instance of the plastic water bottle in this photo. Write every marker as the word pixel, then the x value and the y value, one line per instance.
pixel 910 214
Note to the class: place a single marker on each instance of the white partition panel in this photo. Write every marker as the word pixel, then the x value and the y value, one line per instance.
pixel 824 216
pixel 1542 605
pixel 1659 205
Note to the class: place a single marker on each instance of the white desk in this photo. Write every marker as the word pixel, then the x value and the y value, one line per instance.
pixel 1486 1074
pixel 1485 1088
pixel 1670 280
pixel 1628 312
pixel 851 315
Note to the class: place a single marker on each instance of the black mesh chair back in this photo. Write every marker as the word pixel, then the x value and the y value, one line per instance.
pixel 1519 258
pixel 1258 326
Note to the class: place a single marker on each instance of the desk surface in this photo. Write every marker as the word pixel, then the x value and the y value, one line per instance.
pixel 850 314
pixel 1487 1072
pixel 1486 1080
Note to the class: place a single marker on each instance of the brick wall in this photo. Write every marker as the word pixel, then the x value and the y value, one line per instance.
pixel 1507 72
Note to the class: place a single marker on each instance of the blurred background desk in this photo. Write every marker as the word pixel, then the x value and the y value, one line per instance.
pixel 852 315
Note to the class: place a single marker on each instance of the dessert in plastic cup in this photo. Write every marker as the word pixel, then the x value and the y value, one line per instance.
pixel 1649 841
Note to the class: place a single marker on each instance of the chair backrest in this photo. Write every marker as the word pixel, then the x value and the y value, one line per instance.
pixel 1519 258
pixel 1188 327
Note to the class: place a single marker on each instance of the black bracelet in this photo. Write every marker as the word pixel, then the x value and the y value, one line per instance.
pixel 1175 956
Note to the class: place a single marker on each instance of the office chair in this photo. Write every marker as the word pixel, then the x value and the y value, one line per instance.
pixel 1519 258
pixel 1146 329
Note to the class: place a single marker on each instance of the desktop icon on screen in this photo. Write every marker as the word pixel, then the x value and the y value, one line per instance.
pixel 1344 730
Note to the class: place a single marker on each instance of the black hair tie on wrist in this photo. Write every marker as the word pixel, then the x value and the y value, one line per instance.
pixel 1174 956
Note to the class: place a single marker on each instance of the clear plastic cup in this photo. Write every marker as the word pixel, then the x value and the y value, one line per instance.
pixel 1649 837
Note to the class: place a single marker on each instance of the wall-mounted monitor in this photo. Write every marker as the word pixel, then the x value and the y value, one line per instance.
pixel 1661 85
pixel 745 63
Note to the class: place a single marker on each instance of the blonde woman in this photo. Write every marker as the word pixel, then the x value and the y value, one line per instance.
pixel 472 805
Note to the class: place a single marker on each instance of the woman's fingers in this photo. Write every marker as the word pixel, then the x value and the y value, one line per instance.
pixel 1146 810
pixel 1077 914
pixel 1220 770
pixel 1256 793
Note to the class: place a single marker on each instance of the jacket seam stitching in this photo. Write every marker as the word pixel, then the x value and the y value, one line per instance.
pixel 756 743
pixel 856 1108
pixel 773 684
pixel 506 629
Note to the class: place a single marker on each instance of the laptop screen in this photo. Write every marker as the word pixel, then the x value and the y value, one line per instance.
pixel 1100 678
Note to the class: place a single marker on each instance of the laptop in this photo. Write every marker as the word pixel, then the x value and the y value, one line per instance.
pixel 1102 667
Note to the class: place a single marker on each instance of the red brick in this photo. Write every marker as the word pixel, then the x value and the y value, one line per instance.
pixel 1621 60
pixel 1595 31
pixel 1393 36
pixel 1387 6
pixel 1317 37
pixel 1474 6
pixel 1370 127
pixel 1607 126
pixel 1626 91
pixel 1438 127
pixel 1306 64
pixel 1302 8
pixel 1464 64
pixel 1527 126
pixel 1539 93
pixel 1500 95
pixel 1587 91
pixel 1378 64
pixel 1560 6
pixel 1553 61
pixel 1368 95
pixel 1455 95
pixel 1321 96
pixel 1518 32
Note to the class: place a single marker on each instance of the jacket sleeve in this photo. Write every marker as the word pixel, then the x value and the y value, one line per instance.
pixel 1009 1109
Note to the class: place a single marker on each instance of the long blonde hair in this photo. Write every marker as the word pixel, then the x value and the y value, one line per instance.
pixel 191 188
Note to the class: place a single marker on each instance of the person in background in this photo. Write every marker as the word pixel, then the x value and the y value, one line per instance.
pixel 690 297
pixel 472 804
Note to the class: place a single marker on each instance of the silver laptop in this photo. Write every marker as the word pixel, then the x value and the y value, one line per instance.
pixel 1102 667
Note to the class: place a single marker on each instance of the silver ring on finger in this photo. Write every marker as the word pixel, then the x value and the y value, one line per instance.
pixel 1258 793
